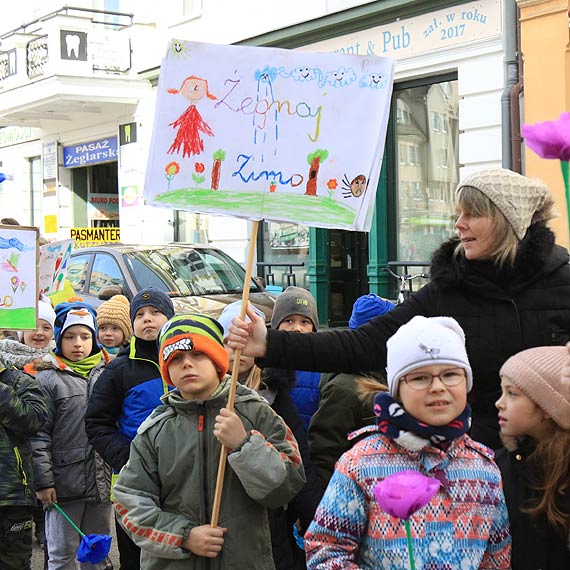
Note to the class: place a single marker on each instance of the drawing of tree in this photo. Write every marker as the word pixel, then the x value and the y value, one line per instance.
pixel 219 156
pixel 314 159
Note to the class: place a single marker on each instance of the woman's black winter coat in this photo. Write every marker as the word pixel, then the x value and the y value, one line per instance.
pixel 501 311
pixel 536 546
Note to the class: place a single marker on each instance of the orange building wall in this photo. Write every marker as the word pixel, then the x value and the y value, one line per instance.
pixel 545 43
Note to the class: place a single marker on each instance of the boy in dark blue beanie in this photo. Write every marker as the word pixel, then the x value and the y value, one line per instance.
pixel 127 392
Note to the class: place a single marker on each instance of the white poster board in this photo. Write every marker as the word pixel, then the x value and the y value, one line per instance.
pixel 265 133
pixel 18 277
pixel 54 260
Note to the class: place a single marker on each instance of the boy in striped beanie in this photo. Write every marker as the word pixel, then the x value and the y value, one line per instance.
pixel 196 338
pixel 165 492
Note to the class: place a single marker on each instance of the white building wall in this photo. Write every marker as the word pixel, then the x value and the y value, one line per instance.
pixel 478 63
pixel 15 199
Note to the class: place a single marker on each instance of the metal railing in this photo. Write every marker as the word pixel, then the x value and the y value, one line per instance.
pixel 36 56
pixel 288 275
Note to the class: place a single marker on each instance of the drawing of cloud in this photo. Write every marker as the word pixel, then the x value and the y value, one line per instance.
pixel 305 74
pixel 373 80
pixel 341 77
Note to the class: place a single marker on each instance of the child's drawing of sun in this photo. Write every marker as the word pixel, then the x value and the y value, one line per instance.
pixel 179 49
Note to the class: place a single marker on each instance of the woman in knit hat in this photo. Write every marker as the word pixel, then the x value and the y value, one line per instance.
pixel 502 278
pixel 534 415
pixel 115 329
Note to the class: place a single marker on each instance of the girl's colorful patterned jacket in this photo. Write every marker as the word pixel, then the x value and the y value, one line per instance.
pixel 464 527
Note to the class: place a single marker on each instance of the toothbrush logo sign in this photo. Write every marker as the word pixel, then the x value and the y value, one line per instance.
pixel 73 45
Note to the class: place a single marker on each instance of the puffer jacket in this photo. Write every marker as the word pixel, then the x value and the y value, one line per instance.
pixel 62 456
pixel 129 389
pixel 167 486
pixel 464 525
pixel 536 545
pixel 23 412
pixel 341 411
pixel 501 312
pixel 305 395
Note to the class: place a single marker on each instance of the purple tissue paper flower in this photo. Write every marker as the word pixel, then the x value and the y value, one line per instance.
pixel 94 548
pixel 402 494
pixel 550 139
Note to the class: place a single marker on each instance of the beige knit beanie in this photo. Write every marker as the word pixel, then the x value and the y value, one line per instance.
pixel 115 311
pixel 517 197
pixel 538 373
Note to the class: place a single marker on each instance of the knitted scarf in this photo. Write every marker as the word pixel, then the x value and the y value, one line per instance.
pixel 83 367
pixel 393 421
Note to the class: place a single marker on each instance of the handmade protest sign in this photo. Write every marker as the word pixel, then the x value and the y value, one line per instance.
pixel 18 277
pixel 265 133
pixel 54 259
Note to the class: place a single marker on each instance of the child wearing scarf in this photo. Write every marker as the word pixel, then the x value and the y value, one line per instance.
pixel 67 469
pixel 421 425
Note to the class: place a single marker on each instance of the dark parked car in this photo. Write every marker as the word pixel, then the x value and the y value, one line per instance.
pixel 198 278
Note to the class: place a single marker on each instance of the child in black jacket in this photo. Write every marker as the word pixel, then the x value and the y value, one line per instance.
pixel 127 392
pixel 534 417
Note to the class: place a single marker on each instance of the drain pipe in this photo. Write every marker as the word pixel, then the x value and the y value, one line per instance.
pixel 516 91
pixel 512 75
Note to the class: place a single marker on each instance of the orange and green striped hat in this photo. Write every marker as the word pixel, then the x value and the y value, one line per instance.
pixel 192 332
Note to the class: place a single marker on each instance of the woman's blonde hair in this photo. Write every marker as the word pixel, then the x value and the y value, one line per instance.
pixel 505 249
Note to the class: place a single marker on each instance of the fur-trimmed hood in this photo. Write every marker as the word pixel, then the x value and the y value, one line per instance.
pixel 15 353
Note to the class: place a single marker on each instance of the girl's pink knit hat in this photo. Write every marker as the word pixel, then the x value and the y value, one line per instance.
pixel 538 373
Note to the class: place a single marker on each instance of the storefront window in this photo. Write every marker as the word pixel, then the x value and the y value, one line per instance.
pixel 427 167
pixel 285 254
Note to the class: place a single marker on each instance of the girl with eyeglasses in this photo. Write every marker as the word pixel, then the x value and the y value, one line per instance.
pixel 421 425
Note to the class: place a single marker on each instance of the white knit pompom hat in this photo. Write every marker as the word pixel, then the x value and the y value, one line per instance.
pixel 424 341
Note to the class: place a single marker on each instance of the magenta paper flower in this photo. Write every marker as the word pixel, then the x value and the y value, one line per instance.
pixel 402 494
pixel 550 139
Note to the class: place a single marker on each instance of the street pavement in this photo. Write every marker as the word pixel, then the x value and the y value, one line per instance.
pixel 38 553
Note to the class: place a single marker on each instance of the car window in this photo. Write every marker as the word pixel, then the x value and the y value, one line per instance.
pixel 105 272
pixel 77 271
pixel 145 276
pixel 183 271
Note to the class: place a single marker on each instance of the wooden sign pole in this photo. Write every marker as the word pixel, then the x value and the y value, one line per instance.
pixel 235 372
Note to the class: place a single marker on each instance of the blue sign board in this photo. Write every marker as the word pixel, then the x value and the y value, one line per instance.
pixel 94 152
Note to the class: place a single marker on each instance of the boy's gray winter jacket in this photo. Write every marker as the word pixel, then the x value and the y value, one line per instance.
pixel 62 456
pixel 167 486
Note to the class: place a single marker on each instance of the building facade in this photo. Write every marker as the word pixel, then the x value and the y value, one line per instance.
pixel 77 92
